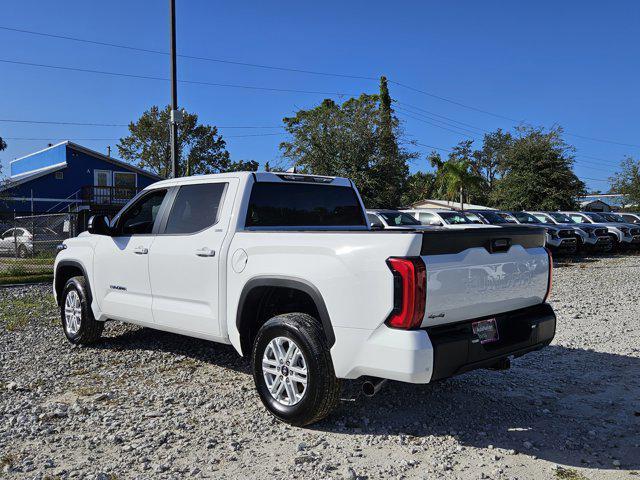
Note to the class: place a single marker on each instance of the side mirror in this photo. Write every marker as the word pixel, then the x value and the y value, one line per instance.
pixel 99 225
pixel 376 226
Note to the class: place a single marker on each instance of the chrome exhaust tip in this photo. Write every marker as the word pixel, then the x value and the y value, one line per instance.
pixel 371 386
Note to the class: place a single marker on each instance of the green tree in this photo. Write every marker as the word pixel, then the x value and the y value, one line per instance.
pixel 489 161
pixel 627 180
pixel 3 144
pixel 538 172
pixel 456 179
pixel 419 186
pixel 357 139
pixel 201 149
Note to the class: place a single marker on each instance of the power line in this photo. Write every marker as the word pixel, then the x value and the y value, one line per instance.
pixel 437 126
pixel 192 57
pixel 88 124
pixel 117 139
pixel 408 105
pixel 64 123
pixel 439 122
pixel 164 79
pixel 288 69
pixel 602 140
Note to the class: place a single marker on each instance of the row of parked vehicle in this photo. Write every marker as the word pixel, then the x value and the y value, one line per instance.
pixel 566 232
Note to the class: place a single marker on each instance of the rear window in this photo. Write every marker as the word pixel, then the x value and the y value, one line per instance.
pixel 275 204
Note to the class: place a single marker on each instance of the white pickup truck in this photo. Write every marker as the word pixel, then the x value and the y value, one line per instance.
pixel 285 268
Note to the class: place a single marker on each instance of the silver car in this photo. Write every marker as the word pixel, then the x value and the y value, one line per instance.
pixel 590 237
pixel 622 234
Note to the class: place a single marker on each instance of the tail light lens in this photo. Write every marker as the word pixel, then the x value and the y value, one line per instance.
pixel 550 282
pixel 410 292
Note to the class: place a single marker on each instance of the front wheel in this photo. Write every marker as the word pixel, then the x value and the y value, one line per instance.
pixel 78 323
pixel 292 369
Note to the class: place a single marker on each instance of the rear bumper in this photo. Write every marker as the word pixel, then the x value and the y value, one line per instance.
pixel 456 349
pixel 422 356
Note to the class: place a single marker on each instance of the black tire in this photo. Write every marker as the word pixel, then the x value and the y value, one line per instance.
pixel 22 251
pixel 90 329
pixel 615 244
pixel 322 392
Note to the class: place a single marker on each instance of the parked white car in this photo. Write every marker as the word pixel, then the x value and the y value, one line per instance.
pixel 451 219
pixel 285 268
pixel 590 237
pixel 19 242
pixel 630 217
pixel 622 235
pixel 558 239
pixel 388 219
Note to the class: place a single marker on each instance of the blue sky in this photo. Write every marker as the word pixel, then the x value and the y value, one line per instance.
pixel 575 64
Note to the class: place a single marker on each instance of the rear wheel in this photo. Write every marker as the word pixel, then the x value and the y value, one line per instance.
pixel 78 323
pixel 22 251
pixel 292 369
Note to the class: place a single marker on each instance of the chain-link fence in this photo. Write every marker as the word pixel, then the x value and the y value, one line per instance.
pixel 28 245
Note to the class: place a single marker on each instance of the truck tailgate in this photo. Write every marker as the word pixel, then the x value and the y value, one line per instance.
pixel 479 273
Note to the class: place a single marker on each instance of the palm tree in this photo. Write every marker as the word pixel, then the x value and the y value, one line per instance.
pixel 455 177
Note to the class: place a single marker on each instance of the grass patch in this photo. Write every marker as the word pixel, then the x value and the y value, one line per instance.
pixel 16 313
pixel 25 277
pixel 569 474
pixel 88 391
pixel 8 459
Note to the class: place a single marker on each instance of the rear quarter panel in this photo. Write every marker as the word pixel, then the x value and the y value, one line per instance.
pixel 347 268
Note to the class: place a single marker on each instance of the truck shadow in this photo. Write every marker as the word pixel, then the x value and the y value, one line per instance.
pixel 570 406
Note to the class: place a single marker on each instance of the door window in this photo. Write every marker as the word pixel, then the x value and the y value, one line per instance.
pixel 429 219
pixel 195 208
pixel 139 218
pixel 374 221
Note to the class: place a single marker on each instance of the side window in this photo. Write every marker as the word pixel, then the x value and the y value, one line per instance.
pixel 374 220
pixel 139 218
pixel 195 208
pixel 428 219
pixel 578 219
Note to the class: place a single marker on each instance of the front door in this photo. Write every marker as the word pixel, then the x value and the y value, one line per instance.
pixel 121 261
pixel 185 258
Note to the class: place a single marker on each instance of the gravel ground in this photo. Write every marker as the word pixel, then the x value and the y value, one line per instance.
pixel 146 404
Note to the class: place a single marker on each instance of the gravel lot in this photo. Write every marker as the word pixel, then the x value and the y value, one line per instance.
pixel 147 404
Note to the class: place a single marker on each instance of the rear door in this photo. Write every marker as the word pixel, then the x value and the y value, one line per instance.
pixel 121 261
pixel 185 257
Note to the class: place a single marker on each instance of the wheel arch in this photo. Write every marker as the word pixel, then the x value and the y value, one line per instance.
pixel 257 291
pixel 65 270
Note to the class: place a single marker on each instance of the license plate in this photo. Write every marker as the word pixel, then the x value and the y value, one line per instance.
pixel 486 330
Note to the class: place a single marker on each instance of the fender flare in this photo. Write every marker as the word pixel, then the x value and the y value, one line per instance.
pixel 75 264
pixel 294 283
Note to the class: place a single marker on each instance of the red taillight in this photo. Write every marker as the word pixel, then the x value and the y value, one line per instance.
pixel 550 282
pixel 410 292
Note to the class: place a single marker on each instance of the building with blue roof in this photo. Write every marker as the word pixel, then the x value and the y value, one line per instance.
pixel 68 177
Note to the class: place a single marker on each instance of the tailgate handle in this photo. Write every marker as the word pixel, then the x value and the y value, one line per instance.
pixel 499 245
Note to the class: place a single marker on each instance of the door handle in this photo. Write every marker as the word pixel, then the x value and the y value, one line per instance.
pixel 141 250
pixel 206 252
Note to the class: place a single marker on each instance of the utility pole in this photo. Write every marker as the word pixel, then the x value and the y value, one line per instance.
pixel 176 116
